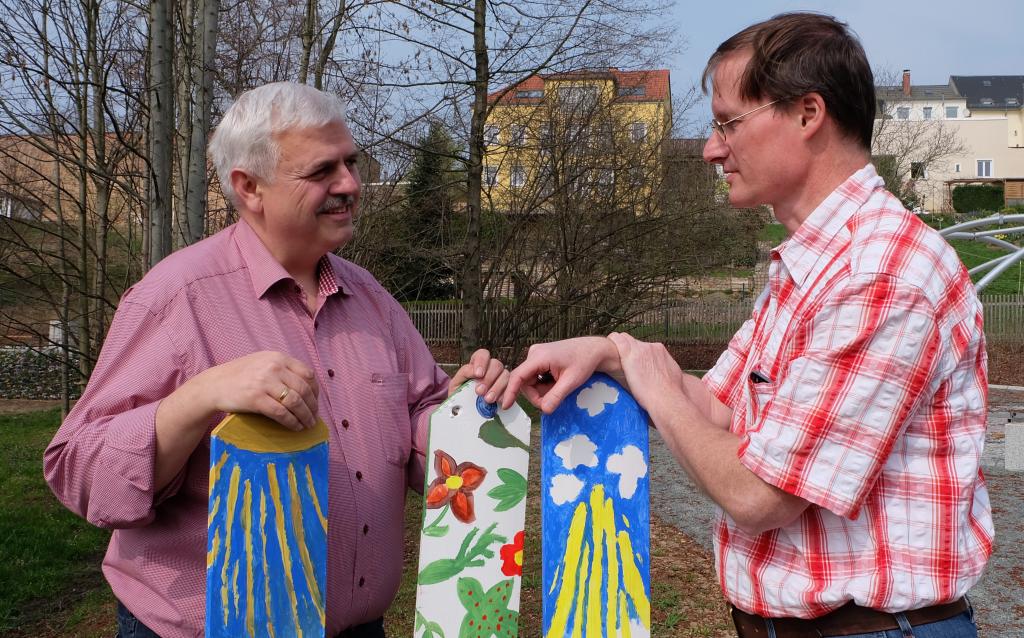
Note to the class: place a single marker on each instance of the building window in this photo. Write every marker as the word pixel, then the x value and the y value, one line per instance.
pixel 632 90
pixel 516 135
pixel 490 175
pixel 15 208
pixel 952 112
pixel 927 112
pixel 956 167
pixel 518 176
pixel 544 133
pixel 918 170
pixel 638 131
pixel 530 94
pixel 985 168
pixel 903 112
pixel 490 135
pixel 578 96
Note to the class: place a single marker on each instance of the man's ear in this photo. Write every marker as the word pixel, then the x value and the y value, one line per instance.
pixel 811 110
pixel 248 190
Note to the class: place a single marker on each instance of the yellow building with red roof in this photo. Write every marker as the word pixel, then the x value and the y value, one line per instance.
pixel 586 133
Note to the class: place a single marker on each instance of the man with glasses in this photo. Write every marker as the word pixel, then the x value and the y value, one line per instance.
pixel 840 433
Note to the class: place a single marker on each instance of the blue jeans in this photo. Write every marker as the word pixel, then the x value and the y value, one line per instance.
pixel 959 626
pixel 128 626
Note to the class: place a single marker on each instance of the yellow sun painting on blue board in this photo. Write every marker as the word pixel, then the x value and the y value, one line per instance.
pixel 266 559
pixel 595 512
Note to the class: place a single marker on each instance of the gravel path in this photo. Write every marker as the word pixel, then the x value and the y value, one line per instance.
pixel 998 598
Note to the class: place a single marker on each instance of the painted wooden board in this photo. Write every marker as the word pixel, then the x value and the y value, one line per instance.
pixel 471 545
pixel 595 515
pixel 266 548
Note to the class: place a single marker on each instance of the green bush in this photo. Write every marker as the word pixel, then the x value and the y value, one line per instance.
pixel 971 198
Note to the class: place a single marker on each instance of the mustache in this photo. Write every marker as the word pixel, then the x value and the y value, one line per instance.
pixel 336 201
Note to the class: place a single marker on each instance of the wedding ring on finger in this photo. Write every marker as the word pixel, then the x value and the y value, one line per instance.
pixel 284 394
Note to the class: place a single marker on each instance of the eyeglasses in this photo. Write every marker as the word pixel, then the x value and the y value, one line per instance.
pixel 719 127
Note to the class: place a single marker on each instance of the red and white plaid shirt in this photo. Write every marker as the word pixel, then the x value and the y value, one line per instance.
pixel 874 410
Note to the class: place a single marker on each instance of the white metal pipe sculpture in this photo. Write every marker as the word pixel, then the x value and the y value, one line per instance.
pixel 992 226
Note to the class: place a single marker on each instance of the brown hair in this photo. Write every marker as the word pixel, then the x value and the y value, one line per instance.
pixel 797 53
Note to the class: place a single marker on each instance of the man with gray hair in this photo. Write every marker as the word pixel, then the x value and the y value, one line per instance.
pixel 261 317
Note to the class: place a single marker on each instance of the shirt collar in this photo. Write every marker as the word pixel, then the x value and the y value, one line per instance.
pixel 265 271
pixel 801 252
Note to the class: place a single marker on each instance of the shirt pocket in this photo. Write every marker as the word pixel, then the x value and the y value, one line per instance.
pixel 761 395
pixel 390 398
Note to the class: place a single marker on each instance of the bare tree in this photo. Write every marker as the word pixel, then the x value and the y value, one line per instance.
pixel 464 49
pixel 69 115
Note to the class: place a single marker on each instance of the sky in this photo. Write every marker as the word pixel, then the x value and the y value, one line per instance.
pixel 932 38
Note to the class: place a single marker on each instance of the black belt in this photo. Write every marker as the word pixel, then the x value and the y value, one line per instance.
pixel 850 619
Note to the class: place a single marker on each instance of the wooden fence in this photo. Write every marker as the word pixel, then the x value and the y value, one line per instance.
pixel 687 321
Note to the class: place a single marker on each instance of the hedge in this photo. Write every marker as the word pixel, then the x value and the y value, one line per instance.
pixel 971 198
pixel 30 374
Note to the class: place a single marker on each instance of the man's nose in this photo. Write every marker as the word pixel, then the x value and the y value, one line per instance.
pixel 715 149
pixel 346 180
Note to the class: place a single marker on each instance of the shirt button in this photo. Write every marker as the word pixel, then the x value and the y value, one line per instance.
pixel 366 528
pixel 330 373
pixel 359 476
pixel 344 423
pixel 361 581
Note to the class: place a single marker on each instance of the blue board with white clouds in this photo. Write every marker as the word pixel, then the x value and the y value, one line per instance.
pixel 595 515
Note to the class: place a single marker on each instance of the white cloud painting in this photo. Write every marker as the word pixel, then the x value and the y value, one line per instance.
pixel 565 488
pixel 594 398
pixel 577 450
pixel 630 466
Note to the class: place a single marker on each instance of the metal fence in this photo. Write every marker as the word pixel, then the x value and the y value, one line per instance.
pixel 1004 317
pixel 701 320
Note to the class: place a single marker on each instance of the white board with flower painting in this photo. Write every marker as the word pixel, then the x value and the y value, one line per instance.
pixel 595 515
pixel 471 544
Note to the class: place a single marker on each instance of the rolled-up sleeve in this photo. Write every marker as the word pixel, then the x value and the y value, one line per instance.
pixel 101 462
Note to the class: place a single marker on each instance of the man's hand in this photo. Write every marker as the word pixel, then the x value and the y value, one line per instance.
pixel 490 374
pixel 553 370
pixel 651 372
pixel 269 383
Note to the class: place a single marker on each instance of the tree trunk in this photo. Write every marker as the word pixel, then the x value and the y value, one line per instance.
pixel 308 38
pixel 206 48
pixel 472 293
pixel 161 122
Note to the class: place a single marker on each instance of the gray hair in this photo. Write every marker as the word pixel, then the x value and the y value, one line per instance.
pixel 244 139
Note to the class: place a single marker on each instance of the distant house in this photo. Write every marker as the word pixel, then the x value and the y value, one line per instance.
pixel 595 130
pixel 986 114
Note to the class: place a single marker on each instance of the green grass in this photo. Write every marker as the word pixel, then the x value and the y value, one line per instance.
pixel 773 233
pixel 973 253
pixel 49 558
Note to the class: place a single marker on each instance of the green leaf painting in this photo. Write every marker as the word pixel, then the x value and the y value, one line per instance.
pixel 493 432
pixel 430 629
pixel 511 491
pixel 435 529
pixel 487 612
pixel 444 568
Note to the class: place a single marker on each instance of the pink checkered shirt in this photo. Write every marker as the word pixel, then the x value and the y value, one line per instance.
pixel 870 336
pixel 215 301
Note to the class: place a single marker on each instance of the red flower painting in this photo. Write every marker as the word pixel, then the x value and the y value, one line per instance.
pixel 512 556
pixel 454 485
